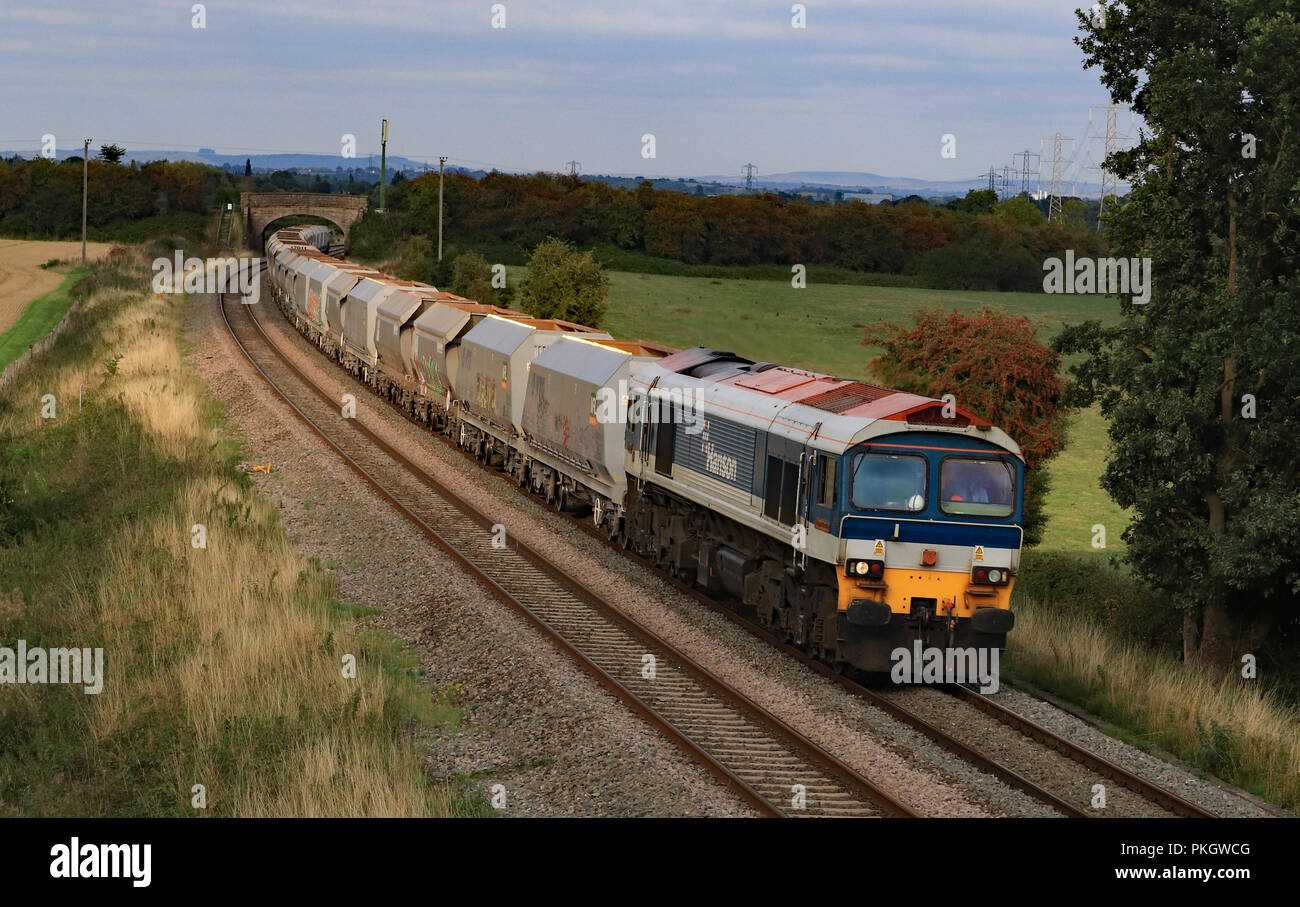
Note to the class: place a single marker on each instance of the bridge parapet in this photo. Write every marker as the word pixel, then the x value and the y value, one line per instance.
pixel 261 208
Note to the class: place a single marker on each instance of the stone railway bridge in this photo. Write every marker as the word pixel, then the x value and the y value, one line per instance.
pixel 260 209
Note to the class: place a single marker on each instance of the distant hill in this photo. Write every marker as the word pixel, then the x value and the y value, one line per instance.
pixel 847 180
pixel 261 161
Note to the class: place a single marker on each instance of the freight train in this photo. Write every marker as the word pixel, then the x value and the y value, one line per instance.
pixel 850 519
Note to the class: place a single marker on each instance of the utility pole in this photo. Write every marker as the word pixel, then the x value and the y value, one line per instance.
pixel 384 160
pixel 85 183
pixel 441 163
pixel 749 177
pixel 574 167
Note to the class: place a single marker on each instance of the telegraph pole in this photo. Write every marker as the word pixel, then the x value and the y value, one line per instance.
pixel 85 183
pixel 441 163
pixel 383 162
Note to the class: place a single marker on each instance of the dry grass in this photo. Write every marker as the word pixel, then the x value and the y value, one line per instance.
pixel 228 659
pixel 1228 728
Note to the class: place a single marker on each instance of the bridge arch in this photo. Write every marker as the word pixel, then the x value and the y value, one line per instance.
pixel 259 209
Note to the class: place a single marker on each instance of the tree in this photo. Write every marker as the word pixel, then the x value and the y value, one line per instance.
pixel 1020 210
pixel 977 201
pixel 248 166
pixel 996 368
pixel 564 283
pixel 1202 383
pixel 471 276
pixel 111 153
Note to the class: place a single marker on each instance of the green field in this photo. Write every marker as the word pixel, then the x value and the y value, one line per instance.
pixel 821 327
pixel 38 319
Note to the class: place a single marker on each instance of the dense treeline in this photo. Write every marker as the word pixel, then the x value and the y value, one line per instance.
pixel 43 198
pixel 974 244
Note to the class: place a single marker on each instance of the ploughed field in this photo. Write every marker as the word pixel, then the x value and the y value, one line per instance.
pixel 21 277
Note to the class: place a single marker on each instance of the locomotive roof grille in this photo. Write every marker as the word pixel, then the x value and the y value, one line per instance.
pixel 847 396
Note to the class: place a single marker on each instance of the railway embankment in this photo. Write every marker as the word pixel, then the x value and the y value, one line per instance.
pixel 164 649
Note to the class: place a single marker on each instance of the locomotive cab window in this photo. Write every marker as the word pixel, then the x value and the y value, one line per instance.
pixel 977 487
pixel 889 482
pixel 827 473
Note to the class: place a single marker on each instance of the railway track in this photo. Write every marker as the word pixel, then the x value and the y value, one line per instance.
pixel 773 767
pixel 1152 793
pixel 893 706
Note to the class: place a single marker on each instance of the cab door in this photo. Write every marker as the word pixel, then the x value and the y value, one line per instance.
pixel 823 493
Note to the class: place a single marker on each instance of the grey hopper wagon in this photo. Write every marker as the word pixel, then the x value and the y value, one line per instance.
pixel 435 341
pixel 495 356
pixel 299 273
pixel 302 276
pixel 573 408
pixel 361 310
pixel 334 291
pixel 395 330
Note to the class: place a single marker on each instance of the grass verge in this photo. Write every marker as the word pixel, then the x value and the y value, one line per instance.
pixel 223 664
pixel 1240 733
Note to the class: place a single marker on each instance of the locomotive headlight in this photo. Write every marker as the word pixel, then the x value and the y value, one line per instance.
pixel 866 569
pixel 991 576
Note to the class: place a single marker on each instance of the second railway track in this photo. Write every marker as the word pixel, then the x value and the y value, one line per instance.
pixel 774 768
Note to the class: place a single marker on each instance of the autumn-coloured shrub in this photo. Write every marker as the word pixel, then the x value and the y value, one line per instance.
pixel 996 368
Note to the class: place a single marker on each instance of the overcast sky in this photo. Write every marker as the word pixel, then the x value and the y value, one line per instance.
pixel 868 85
